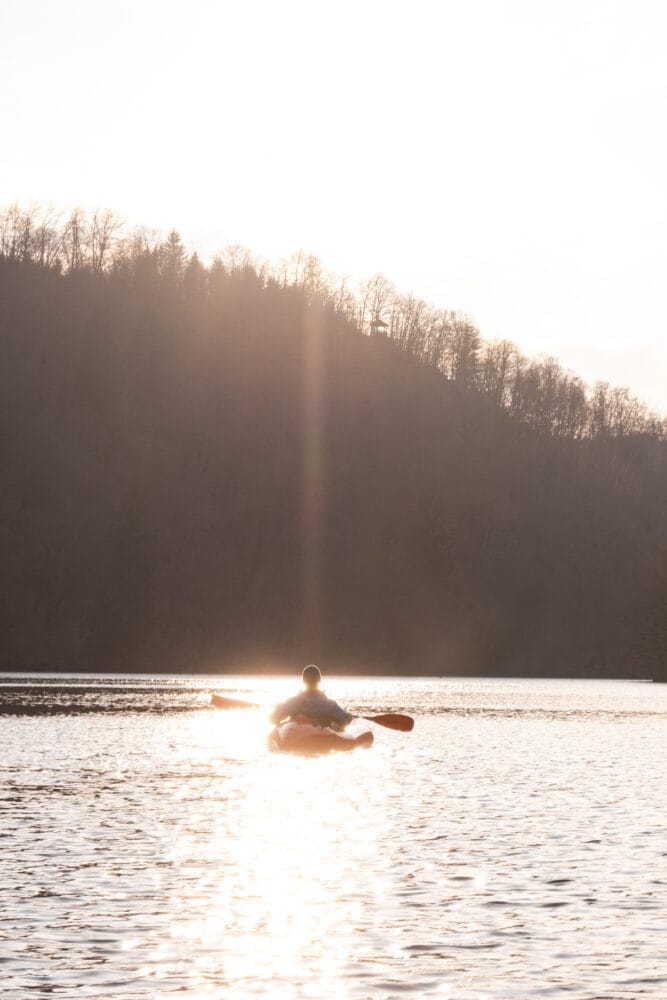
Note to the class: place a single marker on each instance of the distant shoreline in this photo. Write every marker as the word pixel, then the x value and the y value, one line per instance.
pixel 333 672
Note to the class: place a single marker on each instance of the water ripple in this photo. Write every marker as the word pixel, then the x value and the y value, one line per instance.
pixel 512 853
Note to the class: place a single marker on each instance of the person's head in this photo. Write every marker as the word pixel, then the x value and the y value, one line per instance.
pixel 311 677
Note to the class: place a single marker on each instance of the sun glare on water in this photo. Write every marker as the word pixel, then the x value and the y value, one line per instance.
pixel 284 856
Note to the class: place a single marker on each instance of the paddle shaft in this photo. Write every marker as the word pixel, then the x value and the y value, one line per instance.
pixel 392 720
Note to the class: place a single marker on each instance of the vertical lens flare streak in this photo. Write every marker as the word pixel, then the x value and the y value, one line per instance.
pixel 312 495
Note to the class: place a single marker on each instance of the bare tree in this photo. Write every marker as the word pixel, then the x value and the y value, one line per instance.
pixel 103 230
pixel 462 356
pixel 496 370
pixel 374 298
pixel 74 241
pixel 237 257
pixel 16 232
pixel 411 321
pixel 599 410
pixel 47 238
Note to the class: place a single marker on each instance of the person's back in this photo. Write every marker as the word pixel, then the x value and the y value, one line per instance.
pixel 311 704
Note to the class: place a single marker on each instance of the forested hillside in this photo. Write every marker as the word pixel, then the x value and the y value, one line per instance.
pixel 214 467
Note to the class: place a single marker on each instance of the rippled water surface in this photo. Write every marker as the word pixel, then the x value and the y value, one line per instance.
pixel 513 845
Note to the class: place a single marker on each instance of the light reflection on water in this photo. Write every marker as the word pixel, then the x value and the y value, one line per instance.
pixel 513 847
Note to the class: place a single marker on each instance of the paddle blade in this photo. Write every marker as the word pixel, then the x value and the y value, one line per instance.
pixel 218 701
pixel 393 720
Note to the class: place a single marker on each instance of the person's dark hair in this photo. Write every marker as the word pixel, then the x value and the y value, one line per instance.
pixel 311 676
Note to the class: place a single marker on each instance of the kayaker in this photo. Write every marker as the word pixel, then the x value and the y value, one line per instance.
pixel 311 704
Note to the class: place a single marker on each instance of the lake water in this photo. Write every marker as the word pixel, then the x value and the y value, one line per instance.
pixel 513 845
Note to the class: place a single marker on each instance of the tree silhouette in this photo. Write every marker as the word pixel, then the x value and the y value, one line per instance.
pixel 214 465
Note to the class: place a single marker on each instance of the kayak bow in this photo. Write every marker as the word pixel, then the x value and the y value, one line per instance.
pixel 301 737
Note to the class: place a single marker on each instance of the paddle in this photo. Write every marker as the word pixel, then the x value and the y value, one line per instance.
pixel 218 701
pixel 390 720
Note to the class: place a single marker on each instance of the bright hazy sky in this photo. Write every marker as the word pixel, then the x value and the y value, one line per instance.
pixel 503 157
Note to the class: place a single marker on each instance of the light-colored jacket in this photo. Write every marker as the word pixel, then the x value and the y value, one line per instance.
pixel 314 706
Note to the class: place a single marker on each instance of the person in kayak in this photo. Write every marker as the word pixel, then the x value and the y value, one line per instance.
pixel 311 704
